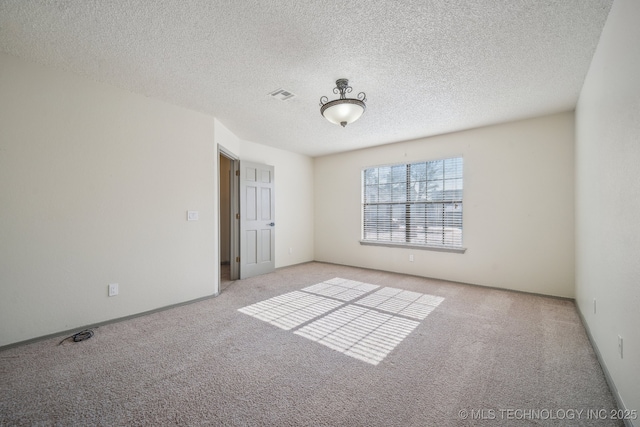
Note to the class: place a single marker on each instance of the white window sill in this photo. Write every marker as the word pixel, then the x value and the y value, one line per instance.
pixel 410 246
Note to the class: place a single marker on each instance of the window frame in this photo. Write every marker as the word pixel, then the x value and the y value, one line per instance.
pixel 408 204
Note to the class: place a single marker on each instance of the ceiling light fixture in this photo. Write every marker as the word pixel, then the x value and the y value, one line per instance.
pixel 344 110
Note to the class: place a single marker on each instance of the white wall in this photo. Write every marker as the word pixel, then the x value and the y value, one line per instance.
pixel 294 200
pixel 518 207
pixel 95 185
pixel 226 139
pixel 608 198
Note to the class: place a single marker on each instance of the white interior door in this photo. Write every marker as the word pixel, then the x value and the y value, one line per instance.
pixel 257 219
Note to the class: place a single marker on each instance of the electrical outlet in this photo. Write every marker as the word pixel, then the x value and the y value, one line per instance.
pixel 594 306
pixel 290 251
pixel 113 289
pixel 411 258
pixel 620 346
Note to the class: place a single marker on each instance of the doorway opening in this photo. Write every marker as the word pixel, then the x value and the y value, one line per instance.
pixel 229 233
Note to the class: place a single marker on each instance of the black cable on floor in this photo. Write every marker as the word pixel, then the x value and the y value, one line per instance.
pixel 80 336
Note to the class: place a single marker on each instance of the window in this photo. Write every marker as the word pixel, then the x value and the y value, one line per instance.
pixel 417 204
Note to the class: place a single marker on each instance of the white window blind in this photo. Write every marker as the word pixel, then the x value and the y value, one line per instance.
pixel 416 204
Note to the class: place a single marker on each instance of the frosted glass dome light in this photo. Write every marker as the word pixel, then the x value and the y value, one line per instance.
pixel 343 111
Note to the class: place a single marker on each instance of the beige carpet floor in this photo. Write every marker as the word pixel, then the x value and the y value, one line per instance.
pixel 480 356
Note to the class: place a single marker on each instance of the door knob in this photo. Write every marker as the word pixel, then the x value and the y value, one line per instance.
pixel 271 224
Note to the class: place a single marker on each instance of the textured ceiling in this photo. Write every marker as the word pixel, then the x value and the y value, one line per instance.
pixel 427 67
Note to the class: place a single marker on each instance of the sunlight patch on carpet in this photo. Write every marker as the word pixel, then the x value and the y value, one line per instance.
pixel 398 301
pixel 290 310
pixel 358 332
pixel 342 289
pixel 368 328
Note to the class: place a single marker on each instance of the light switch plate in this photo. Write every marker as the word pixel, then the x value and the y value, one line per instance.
pixel 113 289
pixel 192 215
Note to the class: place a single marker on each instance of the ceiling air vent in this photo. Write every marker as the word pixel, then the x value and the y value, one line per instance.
pixel 282 94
